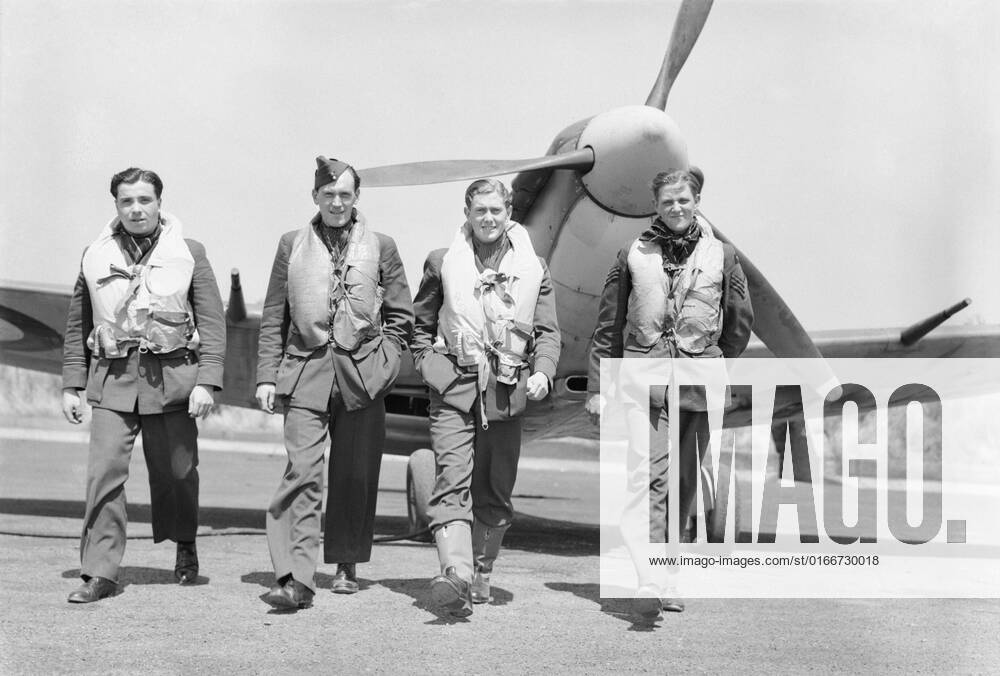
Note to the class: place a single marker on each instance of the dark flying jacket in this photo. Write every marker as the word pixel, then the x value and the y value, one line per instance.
pixel 304 377
pixel 153 383
pixel 459 388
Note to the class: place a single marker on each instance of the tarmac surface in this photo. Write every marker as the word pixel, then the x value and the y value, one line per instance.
pixel 547 614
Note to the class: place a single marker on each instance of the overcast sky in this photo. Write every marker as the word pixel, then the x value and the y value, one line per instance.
pixel 850 146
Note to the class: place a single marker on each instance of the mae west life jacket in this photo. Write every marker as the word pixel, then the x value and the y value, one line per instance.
pixel 487 319
pixel 687 307
pixel 327 305
pixel 143 304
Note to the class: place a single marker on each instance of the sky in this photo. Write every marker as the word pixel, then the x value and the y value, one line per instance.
pixel 850 146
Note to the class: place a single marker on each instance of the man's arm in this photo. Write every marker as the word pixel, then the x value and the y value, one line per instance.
pixel 397 305
pixel 426 306
pixel 209 318
pixel 275 317
pixel 76 356
pixel 737 311
pixel 545 354
pixel 607 338
pixel 79 324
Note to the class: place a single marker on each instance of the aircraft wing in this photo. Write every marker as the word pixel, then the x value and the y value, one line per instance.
pixel 33 320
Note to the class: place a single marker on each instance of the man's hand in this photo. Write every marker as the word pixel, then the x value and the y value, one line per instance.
pixel 265 397
pixel 538 386
pixel 594 407
pixel 200 402
pixel 71 405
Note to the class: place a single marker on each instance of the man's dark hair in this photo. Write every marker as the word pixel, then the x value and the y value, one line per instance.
pixel 134 175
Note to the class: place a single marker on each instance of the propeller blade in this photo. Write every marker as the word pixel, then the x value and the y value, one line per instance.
pixel 443 171
pixel 774 322
pixel 690 20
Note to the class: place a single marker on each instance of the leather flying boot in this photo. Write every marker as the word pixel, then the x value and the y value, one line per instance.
pixel 94 589
pixel 292 595
pixel 486 541
pixel 450 589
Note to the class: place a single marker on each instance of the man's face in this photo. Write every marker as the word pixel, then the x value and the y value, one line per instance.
pixel 675 205
pixel 138 207
pixel 487 216
pixel 336 200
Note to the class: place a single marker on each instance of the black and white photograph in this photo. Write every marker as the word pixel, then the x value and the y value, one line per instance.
pixel 441 336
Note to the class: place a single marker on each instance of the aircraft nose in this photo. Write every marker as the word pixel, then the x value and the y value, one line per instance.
pixel 631 145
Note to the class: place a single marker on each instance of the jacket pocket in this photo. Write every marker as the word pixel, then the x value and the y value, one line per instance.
pixel 377 362
pixel 289 371
pixel 95 380
pixel 180 375
pixel 438 371
pixel 504 402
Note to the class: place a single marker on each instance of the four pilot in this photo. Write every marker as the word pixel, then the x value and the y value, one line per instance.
pixel 336 320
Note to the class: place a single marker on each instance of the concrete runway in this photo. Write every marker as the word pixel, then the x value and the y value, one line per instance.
pixel 547 614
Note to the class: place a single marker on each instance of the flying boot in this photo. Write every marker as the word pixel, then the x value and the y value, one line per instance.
pixel 450 589
pixel 486 542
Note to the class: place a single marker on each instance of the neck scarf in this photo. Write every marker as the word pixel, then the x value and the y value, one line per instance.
pixel 489 255
pixel 676 247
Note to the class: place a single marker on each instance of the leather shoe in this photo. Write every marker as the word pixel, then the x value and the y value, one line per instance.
pixel 186 566
pixel 646 604
pixel 346 579
pixel 293 595
pixel 452 593
pixel 94 589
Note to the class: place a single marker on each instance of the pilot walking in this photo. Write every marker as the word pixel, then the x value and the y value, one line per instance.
pixel 485 341
pixel 146 338
pixel 336 320
pixel 675 292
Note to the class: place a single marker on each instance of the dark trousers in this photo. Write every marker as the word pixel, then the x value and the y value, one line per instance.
pixel 475 468
pixel 293 517
pixel 170 445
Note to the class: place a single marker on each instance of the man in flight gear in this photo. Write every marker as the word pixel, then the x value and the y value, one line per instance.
pixel 485 341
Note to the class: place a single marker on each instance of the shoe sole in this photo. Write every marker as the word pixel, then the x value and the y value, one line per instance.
pixel 448 597
pixel 345 590
pixel 99 598
pixel 282 603
pixel 673 606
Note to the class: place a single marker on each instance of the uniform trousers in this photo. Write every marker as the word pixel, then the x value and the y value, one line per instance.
pixel 170 445
pixel 293 517
pixel 475 468
pixel 694 437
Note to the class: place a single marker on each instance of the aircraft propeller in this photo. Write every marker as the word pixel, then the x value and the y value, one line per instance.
pixel 691 19
pixel 442 171
pixel 615 174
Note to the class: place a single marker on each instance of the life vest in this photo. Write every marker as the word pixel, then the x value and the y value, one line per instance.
pixel 326 306
pixel 143 304
pixel 687 308
pixel 487 319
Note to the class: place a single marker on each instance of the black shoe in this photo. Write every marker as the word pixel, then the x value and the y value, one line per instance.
pixel 452 593
pixel 346 579
pixel 293 595
pixel 186 567
pixel 94 589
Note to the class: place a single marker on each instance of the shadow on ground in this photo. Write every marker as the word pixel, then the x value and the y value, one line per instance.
pixel 528 533
pixel 129 575
pixel 620 609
